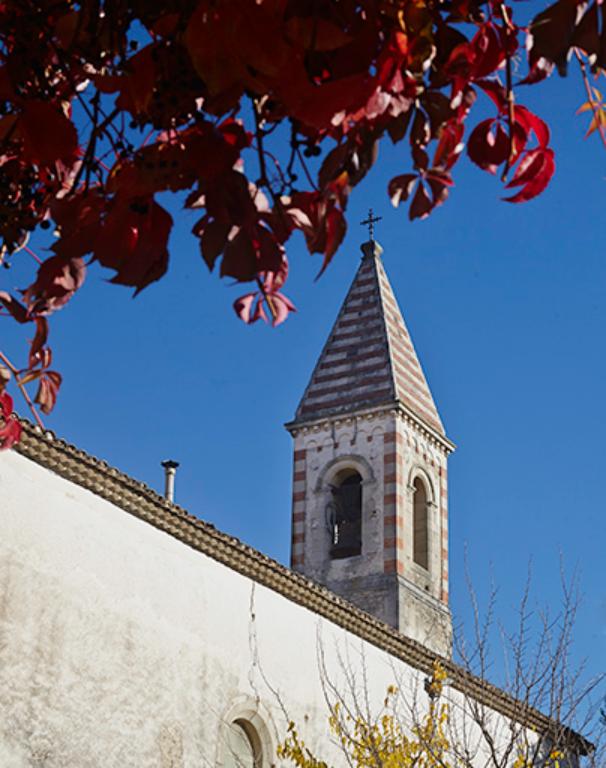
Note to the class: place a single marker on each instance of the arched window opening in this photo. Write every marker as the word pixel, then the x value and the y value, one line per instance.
pixel 345 514
pixel 243 747
pixel 420 525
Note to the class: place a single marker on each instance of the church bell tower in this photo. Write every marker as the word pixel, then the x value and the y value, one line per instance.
pixel 370 493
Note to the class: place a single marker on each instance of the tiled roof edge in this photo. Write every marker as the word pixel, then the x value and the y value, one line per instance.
pixel 138 499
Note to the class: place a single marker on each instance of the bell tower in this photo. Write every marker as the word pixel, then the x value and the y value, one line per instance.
pixel 370 493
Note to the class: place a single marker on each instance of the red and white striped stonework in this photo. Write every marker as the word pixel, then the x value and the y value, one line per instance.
pixel 368 408
pixel 297 550
pixel 393 503
pixel 444 543
pixel 369 358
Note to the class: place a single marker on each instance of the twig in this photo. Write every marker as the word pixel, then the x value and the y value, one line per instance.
pixel 24 391
pixel 92 144
pixel 97 131
pixel 305 170
pixel 510 97
pixel 276 162
pixel 263 178
pixel 263 181
pixel 267 298
pixel 148 137
pixel 597 116
pixel 28 250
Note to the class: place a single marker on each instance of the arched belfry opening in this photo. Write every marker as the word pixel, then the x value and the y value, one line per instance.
pixel 370 463
pixel 420 531
pixel 344 514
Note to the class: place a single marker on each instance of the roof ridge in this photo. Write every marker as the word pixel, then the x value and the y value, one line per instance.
pixel 135 497
pixel 378 269
pixel 421 403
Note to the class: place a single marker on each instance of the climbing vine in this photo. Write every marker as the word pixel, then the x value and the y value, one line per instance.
pixel 261 116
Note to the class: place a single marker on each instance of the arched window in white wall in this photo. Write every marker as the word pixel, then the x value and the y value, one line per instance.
pixel 345 514
pixel 243 748
pixel 420 531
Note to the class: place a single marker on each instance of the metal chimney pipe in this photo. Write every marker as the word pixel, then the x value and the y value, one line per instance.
pixel 170 470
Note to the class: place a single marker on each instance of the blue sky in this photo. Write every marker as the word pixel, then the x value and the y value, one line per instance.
pixel 506 308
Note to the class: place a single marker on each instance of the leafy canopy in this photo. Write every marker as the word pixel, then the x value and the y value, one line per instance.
pixel 263 115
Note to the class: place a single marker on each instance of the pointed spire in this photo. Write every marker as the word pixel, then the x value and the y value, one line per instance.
pixel 369 359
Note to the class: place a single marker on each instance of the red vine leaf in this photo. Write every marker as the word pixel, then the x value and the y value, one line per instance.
pixel 48 388
pixel 531 122
pixel 133 241
pixel 533 174
pixel 58 278
pixel 488 145
pixel 551 32
pixel 17 310
pixel 496 93
pixel 421 205
pixel 10 428
pixel 38 348
pixel 47 134
pixel 400 187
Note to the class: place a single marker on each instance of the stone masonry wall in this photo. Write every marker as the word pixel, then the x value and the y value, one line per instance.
pixel 389 453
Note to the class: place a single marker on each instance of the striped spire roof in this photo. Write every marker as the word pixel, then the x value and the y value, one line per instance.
pixel 368 359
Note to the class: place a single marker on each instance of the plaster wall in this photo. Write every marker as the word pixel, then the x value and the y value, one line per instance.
pixel 121 647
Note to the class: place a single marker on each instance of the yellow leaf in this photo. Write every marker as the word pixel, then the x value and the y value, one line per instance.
pixel 598 120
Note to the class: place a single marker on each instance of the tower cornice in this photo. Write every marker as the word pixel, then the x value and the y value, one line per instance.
pixel 397 408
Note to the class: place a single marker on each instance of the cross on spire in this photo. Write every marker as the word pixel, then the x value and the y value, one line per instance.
pixel 370 222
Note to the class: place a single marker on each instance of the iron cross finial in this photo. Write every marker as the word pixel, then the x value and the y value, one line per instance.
pixel 370 222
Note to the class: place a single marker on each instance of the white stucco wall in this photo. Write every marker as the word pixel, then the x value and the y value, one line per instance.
pixel 121 647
